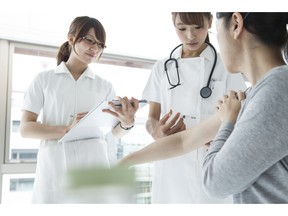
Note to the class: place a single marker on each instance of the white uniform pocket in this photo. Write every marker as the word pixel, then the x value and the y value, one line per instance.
pixel 86 153
pixel 218 90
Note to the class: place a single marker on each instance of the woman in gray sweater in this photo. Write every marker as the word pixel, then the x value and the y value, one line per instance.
pixel 247 159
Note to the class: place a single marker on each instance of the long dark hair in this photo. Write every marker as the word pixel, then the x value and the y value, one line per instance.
pixel 269 28
pixel 79 28
pixel 191 18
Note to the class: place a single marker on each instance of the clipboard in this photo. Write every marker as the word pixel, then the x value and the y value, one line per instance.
pixel 93 123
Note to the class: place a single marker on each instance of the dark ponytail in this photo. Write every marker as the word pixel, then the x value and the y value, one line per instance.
pixel 63 53
pixel 286 52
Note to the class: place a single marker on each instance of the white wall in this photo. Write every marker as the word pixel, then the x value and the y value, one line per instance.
pixel 141 28
pixel 133 28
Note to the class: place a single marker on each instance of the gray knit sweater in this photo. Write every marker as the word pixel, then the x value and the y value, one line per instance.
pixel 253 163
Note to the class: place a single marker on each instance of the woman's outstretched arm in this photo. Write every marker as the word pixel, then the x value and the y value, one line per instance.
pixel 176 144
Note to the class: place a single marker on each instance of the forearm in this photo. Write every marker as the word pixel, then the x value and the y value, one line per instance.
pixel 150 127
pixel 176 144
pixel 161 149
pixel 36 130
pixel 202 133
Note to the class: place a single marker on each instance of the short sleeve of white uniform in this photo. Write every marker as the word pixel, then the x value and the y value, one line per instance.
pixel 34 98
pixel 152 90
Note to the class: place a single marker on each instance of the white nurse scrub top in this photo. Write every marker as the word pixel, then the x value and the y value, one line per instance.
pixel 59 97
pixel 178 180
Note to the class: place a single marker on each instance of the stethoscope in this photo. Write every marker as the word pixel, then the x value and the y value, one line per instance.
pixel 206 91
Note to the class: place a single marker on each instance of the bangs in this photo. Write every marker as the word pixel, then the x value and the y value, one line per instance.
pixel 191 18
pixel 84 24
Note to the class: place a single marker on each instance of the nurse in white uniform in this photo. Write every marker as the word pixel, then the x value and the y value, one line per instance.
pixel 178 180
pixel 64 95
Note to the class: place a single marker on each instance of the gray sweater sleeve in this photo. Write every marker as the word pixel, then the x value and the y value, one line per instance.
pixel 215 182
pixel 241 156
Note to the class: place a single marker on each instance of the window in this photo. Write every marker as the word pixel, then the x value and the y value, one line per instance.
pixel 26 63
pixel 17 188
pixel 21 154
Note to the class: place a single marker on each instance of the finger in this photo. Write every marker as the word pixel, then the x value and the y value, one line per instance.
pixel 112 105
pixel 165 118
pixel 232 94
pixel 241 95
pixel 218 104
pixel 177 127
pixel 183 127
pixel 172 122
pixel 126 99
pixel 224 98
pixel 135 103
pixel 125 103
pixel 110 112
pixel 80 115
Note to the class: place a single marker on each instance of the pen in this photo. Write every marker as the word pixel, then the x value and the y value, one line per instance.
pixel 188 117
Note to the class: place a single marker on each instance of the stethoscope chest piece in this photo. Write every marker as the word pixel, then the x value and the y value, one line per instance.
pixel 205 92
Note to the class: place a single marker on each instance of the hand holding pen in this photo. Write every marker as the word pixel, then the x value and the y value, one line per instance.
pixel 124 113
pixel 75 119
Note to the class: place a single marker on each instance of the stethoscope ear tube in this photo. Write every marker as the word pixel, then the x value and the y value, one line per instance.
pixel 170 57
pixel 176 65
pixel 211 73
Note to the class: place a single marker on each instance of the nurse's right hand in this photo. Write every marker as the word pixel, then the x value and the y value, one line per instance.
pixel 168 125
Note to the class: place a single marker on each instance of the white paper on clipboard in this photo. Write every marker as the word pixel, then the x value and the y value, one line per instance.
pixel 90 125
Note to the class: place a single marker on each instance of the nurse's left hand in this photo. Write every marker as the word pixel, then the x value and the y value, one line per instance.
pixel 126 113
pixel 228 107
pixel 76 119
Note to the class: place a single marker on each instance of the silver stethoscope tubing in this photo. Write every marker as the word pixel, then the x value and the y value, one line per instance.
pixel 206 91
